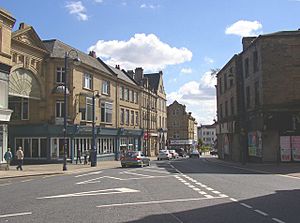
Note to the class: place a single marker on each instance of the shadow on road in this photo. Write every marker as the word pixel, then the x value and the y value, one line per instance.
pixel 282 205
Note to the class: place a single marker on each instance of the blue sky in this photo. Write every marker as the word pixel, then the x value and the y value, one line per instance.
pixel 183 38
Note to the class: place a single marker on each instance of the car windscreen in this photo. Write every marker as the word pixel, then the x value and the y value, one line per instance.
pixel 131 155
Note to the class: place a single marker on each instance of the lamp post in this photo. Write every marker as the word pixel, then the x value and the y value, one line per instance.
pixel 94 149
pixel 76 60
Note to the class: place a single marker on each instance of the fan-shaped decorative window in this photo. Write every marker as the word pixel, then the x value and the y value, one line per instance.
pixel 22 83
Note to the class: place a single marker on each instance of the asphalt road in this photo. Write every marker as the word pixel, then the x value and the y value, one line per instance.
pixel 184 190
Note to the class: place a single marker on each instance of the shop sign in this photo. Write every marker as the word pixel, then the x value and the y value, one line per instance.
pixel 296 148
pixel 255 144
pixel 285 148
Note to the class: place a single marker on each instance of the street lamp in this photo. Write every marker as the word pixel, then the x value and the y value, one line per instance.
pixel 94 149
pixel 72 54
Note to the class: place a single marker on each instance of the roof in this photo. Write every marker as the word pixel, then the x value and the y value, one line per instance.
pixel 121 75
pixel 153 80
pixel 58 49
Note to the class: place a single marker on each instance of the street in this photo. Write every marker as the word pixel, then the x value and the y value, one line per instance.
pixel 183 190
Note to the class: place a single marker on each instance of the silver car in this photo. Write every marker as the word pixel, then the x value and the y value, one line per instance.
pixel 135 158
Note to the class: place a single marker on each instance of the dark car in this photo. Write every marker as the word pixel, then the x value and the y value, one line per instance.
pixel 194 154
pixel 181 152
pixel 214 152
pixel 135 158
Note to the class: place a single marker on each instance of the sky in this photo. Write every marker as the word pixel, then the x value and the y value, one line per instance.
pixel 185 39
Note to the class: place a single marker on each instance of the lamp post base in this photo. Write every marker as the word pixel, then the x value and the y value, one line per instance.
pixel 94 159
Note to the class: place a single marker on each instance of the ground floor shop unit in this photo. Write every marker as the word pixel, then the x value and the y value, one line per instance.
pixel 45 143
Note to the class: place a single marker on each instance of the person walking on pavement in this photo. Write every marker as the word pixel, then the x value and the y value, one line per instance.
pixel 20 157
pixel 78 156
pixel 7 157
pixel 86 153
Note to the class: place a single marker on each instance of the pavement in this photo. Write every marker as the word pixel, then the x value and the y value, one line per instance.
pixel 287 169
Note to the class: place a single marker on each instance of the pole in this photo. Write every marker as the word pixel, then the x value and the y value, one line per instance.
pixel 65 113
pixel 94 152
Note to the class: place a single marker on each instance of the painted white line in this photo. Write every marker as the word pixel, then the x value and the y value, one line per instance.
pixel 92 181
pixel 277 220
pixel 208 188
pixel 261 212
pixel 187 183
pixel 156 171
pixel 92 193
pixel 155 202
pixel 196 189
pixel 1 185
pixel 14 215
pixel 202 192
pixel 245 205
pixel 191 186
pixel 138 174
pixel 208 196
pixel 216 192
pixel 23 181
pixel 87 174
pixel 234 200
pixel 223 195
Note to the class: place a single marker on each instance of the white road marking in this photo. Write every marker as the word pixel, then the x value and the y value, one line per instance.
pixel 15 214
pixel 202 192
pixel 87 174
pixel 208 196
pixel 1 185
pixel 261 212
pixel 216 192
pixel 92 193
pixel 138 174
pixel 234 200
pixel 245 205
pixel 155 171
pixel 23 181
pixel 155 202
pixel 223 195
pixel 277 220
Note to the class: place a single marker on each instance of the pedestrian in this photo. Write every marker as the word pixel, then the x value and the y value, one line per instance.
pixel 20 157
pixel 86 153
pixel 78 156
pixel 7 157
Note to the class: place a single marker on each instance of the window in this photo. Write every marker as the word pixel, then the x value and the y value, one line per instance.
pixel 248 97
pixel 220 86
pixel 122 116
pixel 232 106
pixel 88 81
pixel 86 114
pixel 246 67
pixel 130 95
pixel 60 75
pixel 59 109
pixel 132 117
pixel 20 107
pixel 256 94
pixel 106 112
pixel 126 94
pixel 136 118
pixel 135 97
pixel 225 81
pixel 255 61
pixel 122 92
pixel 221 110
pixel 106 87
pixel 127 117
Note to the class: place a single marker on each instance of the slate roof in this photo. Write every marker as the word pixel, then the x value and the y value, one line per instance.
pixel 153 80
pixel 121 75
pixel 57 49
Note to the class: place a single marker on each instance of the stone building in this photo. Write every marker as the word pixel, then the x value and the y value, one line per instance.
pixel 268 121
pixel 36 95
pixel 181 127
pixel 6 24
pixel 207 134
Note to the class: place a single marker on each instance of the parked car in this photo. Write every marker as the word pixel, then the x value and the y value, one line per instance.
pixel 194 154
pixel 164 155
pixel 173 153
pixel 181 152
pixel 135 158
pixel 214 152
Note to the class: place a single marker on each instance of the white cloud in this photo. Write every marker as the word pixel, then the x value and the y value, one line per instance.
pixel 150 6
pixel 186 70
pixel 142 50
pixel 98 1
pixel 244 28
pixel 78 9
pixel 208 60
pixel 199 98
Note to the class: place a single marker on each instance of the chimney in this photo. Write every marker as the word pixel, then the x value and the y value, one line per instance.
pixel 23 26
pixel 247 42
pixel 92 54
pixel 139 74
pixel 131 73
pixel 117 66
